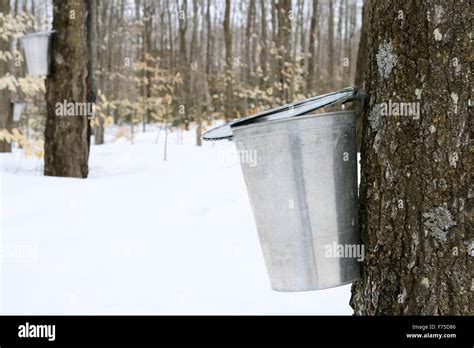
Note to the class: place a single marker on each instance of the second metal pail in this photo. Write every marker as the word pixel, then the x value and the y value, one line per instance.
pixel 37 50
pixel 17 110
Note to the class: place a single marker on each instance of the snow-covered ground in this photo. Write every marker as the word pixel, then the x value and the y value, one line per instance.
pixel 139 236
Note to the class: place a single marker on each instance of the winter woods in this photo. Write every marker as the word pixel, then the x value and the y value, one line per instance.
pixel 187 62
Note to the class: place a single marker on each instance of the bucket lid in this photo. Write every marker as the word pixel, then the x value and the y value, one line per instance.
pixel 289 110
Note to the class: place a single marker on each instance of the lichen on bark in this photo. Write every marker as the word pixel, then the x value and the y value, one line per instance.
pixel 437 222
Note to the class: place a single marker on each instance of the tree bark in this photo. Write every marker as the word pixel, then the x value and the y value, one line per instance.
pixel 67 137
pixel 415 194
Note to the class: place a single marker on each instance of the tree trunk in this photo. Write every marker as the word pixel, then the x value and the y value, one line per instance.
pixel 229 100
pixel 66 137
pixel 345 43
pixel 91 34
pixel 284 48
pixel 170 37
pixel 6 114
pixel 319 61
pixel 264 45
pixel 303 39
pixel 183 57
pixel 197 75
pixel 312 39
pixel 209 39
pixel 248 39
pixel 99 130
pixel 183 24
pixel 193 79
pixel 415 194
pixel 362 64
pixel 273 78
pixel 330 68
pixel 148 56
pixel 295 61
pixel 351 17
pixel 339 42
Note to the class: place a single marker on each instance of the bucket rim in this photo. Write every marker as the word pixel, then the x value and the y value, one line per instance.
pixel 314 288
pixel 325 115
pixel 39 33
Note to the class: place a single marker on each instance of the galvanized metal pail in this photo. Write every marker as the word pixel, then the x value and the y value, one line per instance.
pixel 37 50
pixel 17 110
pixel 302 185
pixel 303 192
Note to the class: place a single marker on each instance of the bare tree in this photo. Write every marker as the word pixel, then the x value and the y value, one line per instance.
pixel 248 40
pixel 229 103
pixel 100 56
pixel 183 56
pixel 67 138
pixel 260 56
pixel 312 54
pixel 148 54
pixel 264 44
pixel 284 48
pixel 330 63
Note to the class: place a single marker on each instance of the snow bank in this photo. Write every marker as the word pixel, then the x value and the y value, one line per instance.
pixel 140 236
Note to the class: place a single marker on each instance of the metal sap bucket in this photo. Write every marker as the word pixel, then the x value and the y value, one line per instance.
pixel 37 50
pixel 302 187
pixel 303 192
pixel 17 110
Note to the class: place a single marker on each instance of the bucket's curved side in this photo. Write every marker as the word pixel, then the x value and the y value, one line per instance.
pixel 303 192
pixel 37 52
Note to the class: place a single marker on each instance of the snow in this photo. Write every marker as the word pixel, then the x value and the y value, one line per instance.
pixel 139 236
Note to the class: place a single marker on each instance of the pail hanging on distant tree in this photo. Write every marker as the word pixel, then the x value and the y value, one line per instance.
pixel 37 48
pixel 302 186
pixel 18 107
